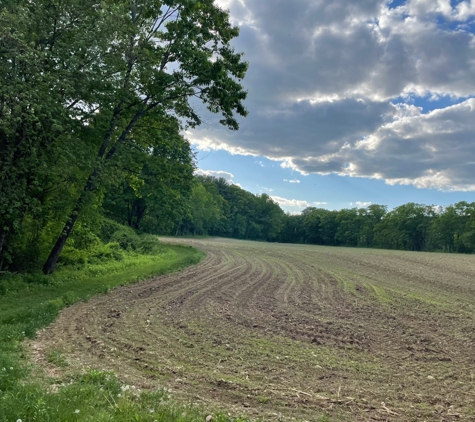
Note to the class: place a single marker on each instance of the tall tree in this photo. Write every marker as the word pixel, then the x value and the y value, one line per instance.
pixel 161 55
pixel 155 178
pixel 406 227
pixel 43 52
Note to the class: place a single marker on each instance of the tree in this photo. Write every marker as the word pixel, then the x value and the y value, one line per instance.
pixel 34 91
pixel 292 229
pixel 269 217
pixel 406 227
pixel 206 211
pixel 161 54
pixel 156 179
pixel 349 226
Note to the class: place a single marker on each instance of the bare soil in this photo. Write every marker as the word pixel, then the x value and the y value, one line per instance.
pixel 290 332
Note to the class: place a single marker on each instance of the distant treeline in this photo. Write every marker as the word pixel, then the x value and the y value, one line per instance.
pixel 221 209
pixel 160 195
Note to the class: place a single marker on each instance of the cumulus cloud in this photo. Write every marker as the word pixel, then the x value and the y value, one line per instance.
pixel 361 204
pixel 459 12
pixel 218 174
pixel 331 83
pixel 290 202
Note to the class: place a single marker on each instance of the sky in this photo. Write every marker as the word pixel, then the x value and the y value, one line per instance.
pixel 350 103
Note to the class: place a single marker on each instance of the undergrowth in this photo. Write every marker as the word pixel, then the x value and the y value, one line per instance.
pixel 29 302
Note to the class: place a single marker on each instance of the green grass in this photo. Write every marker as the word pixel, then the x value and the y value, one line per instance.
pixel 31 302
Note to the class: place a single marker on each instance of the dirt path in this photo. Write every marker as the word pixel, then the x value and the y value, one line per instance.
pixel 276 330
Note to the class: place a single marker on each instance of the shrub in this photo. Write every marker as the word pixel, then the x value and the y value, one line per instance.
pixel 149 244
pixel 126 238
pixel 108 228
pixel 73 256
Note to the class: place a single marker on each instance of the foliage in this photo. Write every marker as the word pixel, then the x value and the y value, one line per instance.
pixel 93 96
pixel 156 185
pixel 411 226
pixel 222 209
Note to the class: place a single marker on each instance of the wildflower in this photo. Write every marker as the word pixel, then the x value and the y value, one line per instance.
pixel 4 369
pixel 11 368
pixel 77 411
pixel 119 395
pixel 19 420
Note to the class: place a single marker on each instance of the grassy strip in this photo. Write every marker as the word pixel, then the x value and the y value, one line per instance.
pixel 30 302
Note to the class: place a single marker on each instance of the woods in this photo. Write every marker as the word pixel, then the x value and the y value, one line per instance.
pixel 93 97
pixel 222 209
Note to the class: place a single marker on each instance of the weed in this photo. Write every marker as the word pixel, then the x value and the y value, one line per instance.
pixel 56 358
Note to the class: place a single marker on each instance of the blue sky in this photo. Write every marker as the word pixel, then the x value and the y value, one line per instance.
pixel 351 103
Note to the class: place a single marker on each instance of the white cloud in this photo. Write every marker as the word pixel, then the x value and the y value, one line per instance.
pixel 460 12
pixel 262 188
pixel 290 202
pixel 361 204
pixel 320 203
pixel 331 86
pixel 292 180
pixel 218 174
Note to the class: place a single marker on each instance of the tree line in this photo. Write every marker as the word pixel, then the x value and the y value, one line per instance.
pixel 93 98
pixel 218 208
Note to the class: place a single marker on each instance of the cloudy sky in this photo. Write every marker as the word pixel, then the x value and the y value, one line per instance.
pixel 351 102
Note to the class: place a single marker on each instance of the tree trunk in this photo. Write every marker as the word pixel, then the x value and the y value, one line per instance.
pixel 139 214
pixel 50 263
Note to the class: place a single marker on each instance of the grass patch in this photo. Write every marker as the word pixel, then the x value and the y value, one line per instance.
pixel 31 302
pixel 56 358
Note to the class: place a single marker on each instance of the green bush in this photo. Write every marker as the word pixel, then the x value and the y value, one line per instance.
pixel 73 256
pixel 84 238
pixel 126 238
pixel 149 244
pixel 108 228
pixel 101 253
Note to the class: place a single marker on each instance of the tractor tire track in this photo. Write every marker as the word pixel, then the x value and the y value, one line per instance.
pixel 269 329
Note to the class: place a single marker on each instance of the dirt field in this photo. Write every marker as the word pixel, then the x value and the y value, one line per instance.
pixel 288 331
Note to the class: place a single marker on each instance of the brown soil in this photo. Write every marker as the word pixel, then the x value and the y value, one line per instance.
pixel 287 331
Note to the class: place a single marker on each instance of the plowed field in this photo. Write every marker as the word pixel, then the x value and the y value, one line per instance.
pixel 290 331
